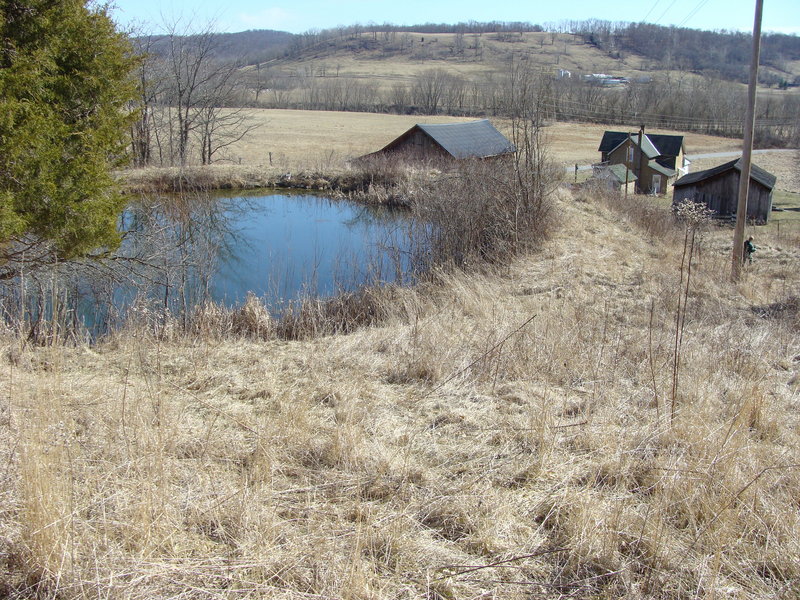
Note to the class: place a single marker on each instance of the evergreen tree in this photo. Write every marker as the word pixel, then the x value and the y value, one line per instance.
pixel 64 88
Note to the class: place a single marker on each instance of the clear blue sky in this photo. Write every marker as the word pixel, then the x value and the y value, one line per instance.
pixel 297 16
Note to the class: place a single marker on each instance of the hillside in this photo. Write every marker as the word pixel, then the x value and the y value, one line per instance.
pixel 498 434
pixel 596 74
pixel 398 57
pixel 570 74
pixel 629 50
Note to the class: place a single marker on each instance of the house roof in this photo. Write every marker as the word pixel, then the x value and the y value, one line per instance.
pixel 463 140
pixel 659 168
pixel 756 173
pixel 650 151
pixel 666 145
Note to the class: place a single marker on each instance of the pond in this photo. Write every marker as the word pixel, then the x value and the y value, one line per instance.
pixel 180 252
pixel 283 247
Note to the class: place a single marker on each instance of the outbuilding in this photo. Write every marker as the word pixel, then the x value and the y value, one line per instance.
pixel 473 139
pixel 718 189
pixel 615 177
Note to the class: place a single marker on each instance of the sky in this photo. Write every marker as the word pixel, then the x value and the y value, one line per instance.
pixel 297 16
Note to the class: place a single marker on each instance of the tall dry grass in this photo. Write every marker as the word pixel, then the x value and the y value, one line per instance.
pixel 495 434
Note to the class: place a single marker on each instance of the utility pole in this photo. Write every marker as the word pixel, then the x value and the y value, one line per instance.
pixel 737 256
pixel 641 161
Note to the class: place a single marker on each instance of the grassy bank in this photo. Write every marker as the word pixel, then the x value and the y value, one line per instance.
pixel 514 433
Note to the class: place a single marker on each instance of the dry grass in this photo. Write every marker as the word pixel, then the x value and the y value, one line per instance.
pixel 441 453
pixel 322 142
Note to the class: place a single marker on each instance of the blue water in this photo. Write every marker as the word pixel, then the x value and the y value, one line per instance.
pixel 283 247
pixel 279 247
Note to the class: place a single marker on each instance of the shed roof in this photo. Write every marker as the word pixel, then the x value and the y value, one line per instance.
pixel 666 145
pixel 756 173
pixel 463 140
pixel 619 173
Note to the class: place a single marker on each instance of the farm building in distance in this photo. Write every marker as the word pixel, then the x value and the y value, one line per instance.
pixel 718 188
pixel 660 158
pixel 615 177
pixel 474 139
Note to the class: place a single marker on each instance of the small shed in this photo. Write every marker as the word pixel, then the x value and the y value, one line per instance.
pixel 615 177
pixel 473 139
pixel 718 188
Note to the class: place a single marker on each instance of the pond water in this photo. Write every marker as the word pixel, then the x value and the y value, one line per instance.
pixel 282 247
pixel 179 252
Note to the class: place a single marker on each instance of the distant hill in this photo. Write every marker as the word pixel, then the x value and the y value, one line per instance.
pixel 246 47
pixel 591 71
pixel 723 53
pixel 621 47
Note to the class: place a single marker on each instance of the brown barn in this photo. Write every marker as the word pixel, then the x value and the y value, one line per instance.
pixel 474 139
pixel 718 188
pixel 659 160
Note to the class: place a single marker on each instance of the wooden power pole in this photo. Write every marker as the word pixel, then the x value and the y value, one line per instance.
pixel 737 256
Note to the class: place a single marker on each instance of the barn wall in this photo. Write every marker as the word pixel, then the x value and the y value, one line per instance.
pixel 417 144
pixel 418 141
pixel 721 194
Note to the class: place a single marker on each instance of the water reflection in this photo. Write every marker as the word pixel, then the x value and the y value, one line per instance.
pixel 179 252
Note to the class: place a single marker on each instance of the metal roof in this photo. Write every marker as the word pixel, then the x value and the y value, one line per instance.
pixel 471 139
pixel 658 168
pixel 756 173
pixel 666 145
pixel 619 173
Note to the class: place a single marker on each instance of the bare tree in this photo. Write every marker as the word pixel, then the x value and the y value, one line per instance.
pixel 429 89
pixel 188 98
pixel 149 82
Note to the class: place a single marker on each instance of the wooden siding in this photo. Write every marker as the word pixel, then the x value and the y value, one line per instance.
pixel 721 195
pixel 418 144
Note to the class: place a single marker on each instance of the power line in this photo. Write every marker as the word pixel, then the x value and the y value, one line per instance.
pixel 666 11
pixel 652 8
pixel 696 9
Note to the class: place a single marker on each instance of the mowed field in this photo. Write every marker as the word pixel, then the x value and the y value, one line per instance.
pixel 304 139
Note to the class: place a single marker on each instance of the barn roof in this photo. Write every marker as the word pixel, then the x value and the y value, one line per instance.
pixel 474 138
pixel 665 145
pixel 756 173
pixel 463 140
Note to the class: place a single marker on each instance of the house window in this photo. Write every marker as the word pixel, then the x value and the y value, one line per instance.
pixel 630 154
pixel 656 184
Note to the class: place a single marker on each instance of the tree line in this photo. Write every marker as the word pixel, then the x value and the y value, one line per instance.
pixel 677 101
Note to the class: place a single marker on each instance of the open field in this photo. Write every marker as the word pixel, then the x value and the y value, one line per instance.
pixel 499 435
pixel 322 139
